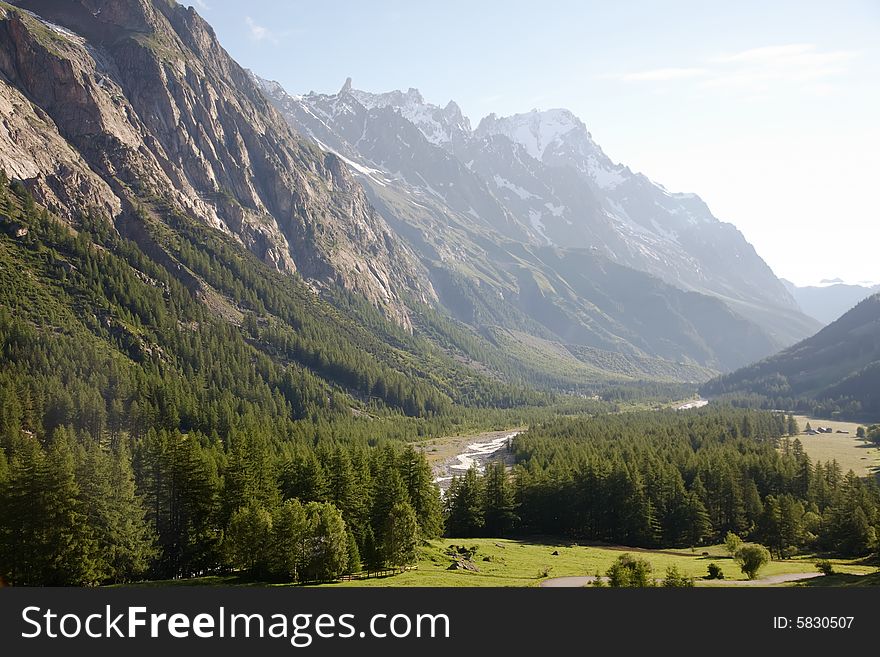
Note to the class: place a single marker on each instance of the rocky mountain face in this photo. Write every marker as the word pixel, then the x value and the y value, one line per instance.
pixel 673 236
pixel 131 109
pixel 510 218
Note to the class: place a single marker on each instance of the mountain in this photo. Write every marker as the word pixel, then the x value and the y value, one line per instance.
pixel 162 226
pixel 828 302
pixel 836 369
pixel 109 107
pixel 500 213
pixel 673 236
pixel 133 114
pixel 168 244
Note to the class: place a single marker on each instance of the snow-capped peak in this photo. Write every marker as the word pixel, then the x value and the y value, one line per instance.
pixel 535 130
pixel 438 124
pixel 556 137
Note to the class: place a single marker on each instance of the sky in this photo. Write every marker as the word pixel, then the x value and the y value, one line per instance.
pixel 770 111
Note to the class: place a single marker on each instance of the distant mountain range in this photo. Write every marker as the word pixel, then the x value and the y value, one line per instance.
pixel 836 369
pixel 524 223
pixel 829 301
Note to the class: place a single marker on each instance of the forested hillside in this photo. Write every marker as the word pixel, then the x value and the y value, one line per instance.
pixel 835 371
pixel 147 400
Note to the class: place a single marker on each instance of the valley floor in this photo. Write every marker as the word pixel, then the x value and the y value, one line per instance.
pixel 852 453
pixel 529 563
pixel 504 562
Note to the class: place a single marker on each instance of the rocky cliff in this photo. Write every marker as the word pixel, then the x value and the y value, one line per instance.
pixel 131 108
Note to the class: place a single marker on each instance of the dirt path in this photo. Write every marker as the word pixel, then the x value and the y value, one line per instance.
pixel 567 582
pixel 577 582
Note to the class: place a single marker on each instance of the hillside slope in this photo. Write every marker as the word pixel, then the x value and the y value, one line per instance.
pixel 837 369
pixel 828 302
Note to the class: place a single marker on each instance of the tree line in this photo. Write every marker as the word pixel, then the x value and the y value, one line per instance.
pixel 670 479
pixel 80 511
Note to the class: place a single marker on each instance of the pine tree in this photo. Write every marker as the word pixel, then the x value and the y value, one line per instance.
pixel 96 499
pixel 132 540
pixel 21 552
pixel 499 502
pixel 390 492
pixel 401 536
pixel 752 504
pixel 5 521
pixel 67 550
pixel 249 476
pixel 465 505
pixel 354 556
pixel 304 479
pixel 423 494
pixel 699 527
pixel 180 485
pixel 770 526
pixel 341 490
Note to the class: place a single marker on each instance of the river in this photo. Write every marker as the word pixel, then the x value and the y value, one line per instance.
pixel 478 452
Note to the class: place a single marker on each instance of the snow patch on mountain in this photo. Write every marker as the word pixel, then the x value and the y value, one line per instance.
pixel 535 219
pixel 606 177
pixel 555 210
pixel 516 189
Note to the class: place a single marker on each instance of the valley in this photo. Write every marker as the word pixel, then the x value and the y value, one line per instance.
pixel 252 336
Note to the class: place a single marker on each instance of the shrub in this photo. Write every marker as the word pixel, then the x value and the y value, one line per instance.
pixel 732 543
pixel 675 579
pixel 715 572
pixel 630 572
pixel 825 567
pixel 751 557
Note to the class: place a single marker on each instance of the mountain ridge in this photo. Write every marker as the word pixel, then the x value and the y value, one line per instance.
pixel 838 369
pixel 828 302
pixel 480 180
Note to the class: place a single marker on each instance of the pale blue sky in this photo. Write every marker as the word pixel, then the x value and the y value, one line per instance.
pixel 769 110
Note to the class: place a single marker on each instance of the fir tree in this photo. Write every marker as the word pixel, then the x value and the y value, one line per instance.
pixel 401 536
pixel 499 502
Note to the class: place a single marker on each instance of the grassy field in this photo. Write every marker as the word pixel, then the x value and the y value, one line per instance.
pixel 851 453
pixel 503 562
